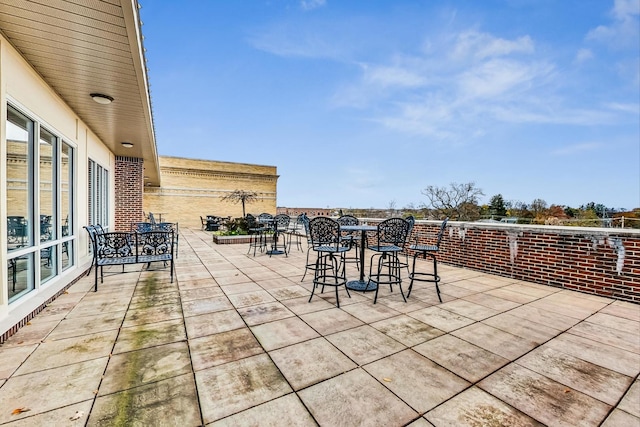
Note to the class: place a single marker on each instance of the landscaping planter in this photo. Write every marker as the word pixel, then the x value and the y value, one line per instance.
pixel 231 240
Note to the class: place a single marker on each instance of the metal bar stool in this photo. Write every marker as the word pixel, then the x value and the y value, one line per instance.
pixel 430 251
pixel 348 239
pixel 329 266
pixel 389 232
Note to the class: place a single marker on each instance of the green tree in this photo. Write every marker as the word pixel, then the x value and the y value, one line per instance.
pixel 241 196
pixel 497 206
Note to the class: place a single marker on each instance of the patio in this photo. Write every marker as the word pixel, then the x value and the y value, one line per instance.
pixel 233 341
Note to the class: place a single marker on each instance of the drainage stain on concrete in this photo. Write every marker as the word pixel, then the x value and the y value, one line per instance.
pixel 126 412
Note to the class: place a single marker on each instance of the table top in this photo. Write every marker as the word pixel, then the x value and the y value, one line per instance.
pixel 359 227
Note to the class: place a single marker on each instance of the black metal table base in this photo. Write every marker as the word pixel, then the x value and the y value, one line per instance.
pixel 275 252
pixel 362 285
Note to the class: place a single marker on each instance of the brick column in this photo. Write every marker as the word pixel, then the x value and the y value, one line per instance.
pixel 129 185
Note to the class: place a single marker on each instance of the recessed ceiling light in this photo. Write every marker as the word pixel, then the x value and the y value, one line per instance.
pixel 101 98
pixel 127 144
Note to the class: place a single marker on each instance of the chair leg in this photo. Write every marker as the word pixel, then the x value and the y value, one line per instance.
pixel 435 275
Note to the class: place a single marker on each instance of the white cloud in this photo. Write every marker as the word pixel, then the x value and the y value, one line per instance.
pixel 312 4
pixel 476 45
pixel 393 76
pixel 500 77
pixel 583 55
pixel 571 150
pixel 624 31
pixel 625 108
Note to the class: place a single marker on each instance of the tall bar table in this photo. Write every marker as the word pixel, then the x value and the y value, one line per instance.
pixel 361 284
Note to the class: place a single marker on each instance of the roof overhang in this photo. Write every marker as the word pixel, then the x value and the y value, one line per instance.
pixel 85 47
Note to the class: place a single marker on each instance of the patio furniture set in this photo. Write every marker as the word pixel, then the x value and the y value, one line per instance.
pixel 333 239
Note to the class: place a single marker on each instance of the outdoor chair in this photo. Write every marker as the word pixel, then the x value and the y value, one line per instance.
pixel 297 231
pixel 389 234
pixel 350 238
pixel 430 251
pixel 280 226
pixel 403 261
pixel 257 236
pixel 308 265
pixel 170 226
pixel 329 269
pixel 141 227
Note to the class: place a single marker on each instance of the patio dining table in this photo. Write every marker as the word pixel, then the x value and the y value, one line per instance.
pixel 361 284
pixel 272 226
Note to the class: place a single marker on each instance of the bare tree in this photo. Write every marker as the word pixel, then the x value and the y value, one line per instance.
pixel 241 196
pixel 457 201
pixel 538 206
pixel 392 208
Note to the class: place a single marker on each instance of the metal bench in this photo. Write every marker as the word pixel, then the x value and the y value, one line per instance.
pixel 120 248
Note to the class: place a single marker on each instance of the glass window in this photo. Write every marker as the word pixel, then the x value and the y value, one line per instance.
pixel 47 173
pixel 40 202
pixel 19 193
pixel 66 207
pixel 98 195
pixel 20 272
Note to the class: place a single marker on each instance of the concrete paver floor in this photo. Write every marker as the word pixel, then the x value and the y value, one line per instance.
pixel 234 341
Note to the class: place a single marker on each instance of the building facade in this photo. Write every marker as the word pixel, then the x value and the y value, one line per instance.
pixel 193 188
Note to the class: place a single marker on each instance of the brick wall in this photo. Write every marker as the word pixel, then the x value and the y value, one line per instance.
pixel 602 261
pixel 129 181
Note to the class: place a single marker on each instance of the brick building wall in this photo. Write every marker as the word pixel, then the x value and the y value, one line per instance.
pixel 191 188
pixel 602 261
pixel 128 183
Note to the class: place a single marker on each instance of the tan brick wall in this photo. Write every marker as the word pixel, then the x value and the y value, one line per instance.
pixel 191 188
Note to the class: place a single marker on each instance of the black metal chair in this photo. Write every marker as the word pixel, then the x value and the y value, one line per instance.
pixel 170 226
pixel 389 233
pixel 141 227
pixel 279 227
pixel 404 263
pixel 257 236
pixel 349 237
pixel 307 265
pixel 430 251
pixel 17 230
pixel 326 241
pixel 297 231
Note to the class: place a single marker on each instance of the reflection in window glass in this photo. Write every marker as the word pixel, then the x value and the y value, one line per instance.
pixel 48 263
pixel 65 189
pixel 19 154
pixel 67 254
pixel 47 157
pixel 20 276
pixel 66 200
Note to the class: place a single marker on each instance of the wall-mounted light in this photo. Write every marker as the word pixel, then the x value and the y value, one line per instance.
pixel 127 144
pixel 101 98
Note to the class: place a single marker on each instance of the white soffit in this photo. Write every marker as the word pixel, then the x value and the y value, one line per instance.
pixel 81 47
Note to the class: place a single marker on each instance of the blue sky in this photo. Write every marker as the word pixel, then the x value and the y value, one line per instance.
pixel 366 103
